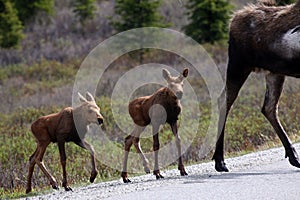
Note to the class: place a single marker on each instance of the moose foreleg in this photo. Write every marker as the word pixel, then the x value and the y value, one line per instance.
pixel 156 145
pixel 174 128
pixel 63 161
pixel 236 76
pixel 128 143
pixel 274 88
pixel 87 146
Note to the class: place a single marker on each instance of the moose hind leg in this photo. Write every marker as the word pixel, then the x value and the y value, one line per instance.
pixel 129 140
pixel 274 85
pixel 156 145
pixel 39 161
pixel 30 171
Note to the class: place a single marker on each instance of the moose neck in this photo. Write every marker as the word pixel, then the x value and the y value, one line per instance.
pixel 172 94
pixel 80 121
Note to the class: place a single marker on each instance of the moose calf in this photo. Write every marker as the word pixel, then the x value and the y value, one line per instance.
pixel 60 128
pixel 161 107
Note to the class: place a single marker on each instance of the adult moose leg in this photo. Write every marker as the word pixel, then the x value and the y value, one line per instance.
pixel 274 85
pixel 236 76
pixel 174 128
pixel 63 160
pixel 87 146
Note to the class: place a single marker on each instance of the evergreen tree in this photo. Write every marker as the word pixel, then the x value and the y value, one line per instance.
pixel 85 9
pixel 137 14
pixel 208 20
pixel 284 2
pixel 29 8
pixel 10 25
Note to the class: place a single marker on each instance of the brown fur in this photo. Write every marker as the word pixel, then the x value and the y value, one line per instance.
pixel 139 108
pixel 161 107
pixel 262 37
pixel 60 128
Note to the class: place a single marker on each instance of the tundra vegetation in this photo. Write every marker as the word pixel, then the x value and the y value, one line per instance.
pixel 37 79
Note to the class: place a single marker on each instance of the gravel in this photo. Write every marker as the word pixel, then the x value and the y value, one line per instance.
pixel 198 172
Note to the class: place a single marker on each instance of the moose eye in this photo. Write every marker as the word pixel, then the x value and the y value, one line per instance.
pixel 90 111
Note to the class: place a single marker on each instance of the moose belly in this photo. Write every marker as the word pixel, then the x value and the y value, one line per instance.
pixel 288 46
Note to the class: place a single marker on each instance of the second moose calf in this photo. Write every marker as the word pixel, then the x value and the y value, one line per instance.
pixel 157 109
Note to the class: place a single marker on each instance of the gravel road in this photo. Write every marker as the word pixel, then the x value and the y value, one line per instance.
pixel 257 175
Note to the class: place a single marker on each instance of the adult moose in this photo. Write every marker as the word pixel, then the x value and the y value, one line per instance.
pixel 262 37
pixel 60 127
pixel 157 109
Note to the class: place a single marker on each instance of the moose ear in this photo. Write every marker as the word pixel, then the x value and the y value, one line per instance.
pixel 166 74
pixel 185 72
pixel 81 98
pixel 89 96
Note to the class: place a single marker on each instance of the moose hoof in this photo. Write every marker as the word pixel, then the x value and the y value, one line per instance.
pixel 157 174
pixel 183 173
pixel 126 180
pixel 220 166
pixel 182 170
pixel 124 176
pixel 68 189
pixel 55 187
pixel 293 157
pixel 147 169
pixel 28 190
pixel 93 176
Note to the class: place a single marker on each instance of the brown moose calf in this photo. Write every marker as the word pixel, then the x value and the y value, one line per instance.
pixel 161 107
pixel 60 128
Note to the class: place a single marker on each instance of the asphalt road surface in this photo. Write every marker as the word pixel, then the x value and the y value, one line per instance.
pixel 260 175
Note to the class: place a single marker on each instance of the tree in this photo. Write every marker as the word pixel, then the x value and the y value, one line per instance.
pixel 284 2
pixel 137 14
pixel 29 8
pixel 208 20
pixel 85 9
pixel 10 26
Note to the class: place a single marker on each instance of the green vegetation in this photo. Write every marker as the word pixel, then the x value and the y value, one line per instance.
pixel 208 20
pixel 46 65
pixel 29 8
pixel 137 14
pixel 17 142
pixel 10 25
pixel 14 14
pixel 85 9
pixel 42 76
pixel 284 2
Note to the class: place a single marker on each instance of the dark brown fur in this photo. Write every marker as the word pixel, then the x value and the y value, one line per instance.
pixel 257 41
pixel 139 108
